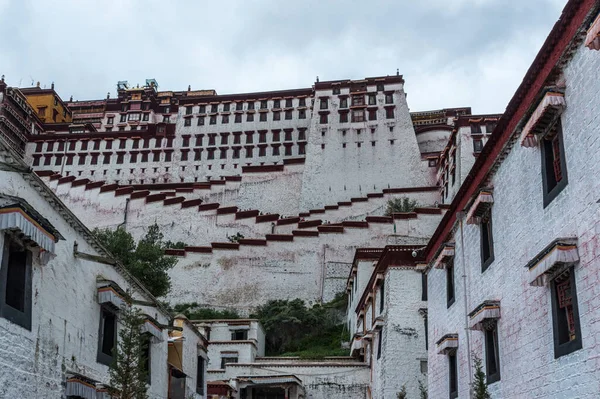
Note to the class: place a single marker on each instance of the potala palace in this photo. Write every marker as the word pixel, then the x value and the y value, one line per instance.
pixel 284 195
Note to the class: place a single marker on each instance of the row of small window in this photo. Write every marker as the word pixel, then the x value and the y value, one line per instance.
pixel 199 139
pixel 134 117
pixel 168 155
pixel 262 117
pixel 358 115
pixel 239 106
pixel 357 100
pixel 108 144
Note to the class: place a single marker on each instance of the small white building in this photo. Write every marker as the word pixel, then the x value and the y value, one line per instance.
pixel 513 268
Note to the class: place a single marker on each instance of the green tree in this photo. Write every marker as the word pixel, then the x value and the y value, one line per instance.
pixel 128 371
pixel 402 394
pixel 294 329
pixel 403 204
pixel 193 311
pixel 422 390
pixel 146 260
pixel 479 385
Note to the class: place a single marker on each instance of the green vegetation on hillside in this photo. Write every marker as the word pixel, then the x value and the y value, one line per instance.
pixel 403 204
pixel 145 260
pixel 193 311
pixel 294 329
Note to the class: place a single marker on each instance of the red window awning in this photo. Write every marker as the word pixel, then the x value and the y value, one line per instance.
pixel 592 40
pixel 551 105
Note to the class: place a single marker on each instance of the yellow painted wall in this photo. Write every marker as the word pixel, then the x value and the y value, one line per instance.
pixel 47 100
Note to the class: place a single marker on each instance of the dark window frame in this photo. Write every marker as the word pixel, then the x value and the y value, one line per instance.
pixel 379 341
pixel 486 240
pixel 200 376
pixel 452 376
pixel 102 357
pixel 546 146
pixel 382 297
pixel 450 283
pixel 492 354
pixel 19 317
pixel 562 349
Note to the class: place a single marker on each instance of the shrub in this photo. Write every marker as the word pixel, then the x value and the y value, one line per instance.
pixel 403 204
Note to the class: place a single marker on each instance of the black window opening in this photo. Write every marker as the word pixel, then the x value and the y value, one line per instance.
pixel 565 314
pixel 226 360
pixel 382 297
pixel 450 282
pixel 239 335
pixel 487 241
pixel 379 341
pixel 554 168
pixel 424 286
pixel 147 357
pixel 15 283
pixel 453 376
pixel 200 376
pixel 492 356
pixel 107 336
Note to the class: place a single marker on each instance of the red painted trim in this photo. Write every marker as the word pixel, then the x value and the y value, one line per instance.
pixel 429 211
pixel 174 200
pixel 140 194
pixel 267 218
pixel 375 195
pixel 262 169
pixel 108 187
pixel 253 242
pixel 305 233
pixel 285 221
pixel 345 203
pixel 225 245
pixel 93 185
pixel 280 237
pixel 246 214
pixel 227 210
pixel 191 203
pixel 202 250
pixel 330 229
pixel 80 182
pixel 409 190
pixel 123 191
pixel 175 252
pixel 331 207
pixel 359 199
pixel 43 173
pixel 66 179
pixel 355 223
pixel 309 223
pixel 209 207
pixel 312 211
pixel 155 197
pixel 379 219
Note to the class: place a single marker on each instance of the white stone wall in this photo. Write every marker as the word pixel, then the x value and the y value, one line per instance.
pixel 522 227
pixel 333 172
pixel 433 141
pixel 65 316
pixel 403 346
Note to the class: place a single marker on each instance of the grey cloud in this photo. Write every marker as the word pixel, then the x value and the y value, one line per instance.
pixel 452 53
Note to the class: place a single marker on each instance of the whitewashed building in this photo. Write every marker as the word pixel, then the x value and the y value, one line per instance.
pixel 387 317
pixel 513 267
pixel 238 369
pixel 60 292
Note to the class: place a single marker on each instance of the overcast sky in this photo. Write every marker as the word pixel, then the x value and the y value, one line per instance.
pixel 451 52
